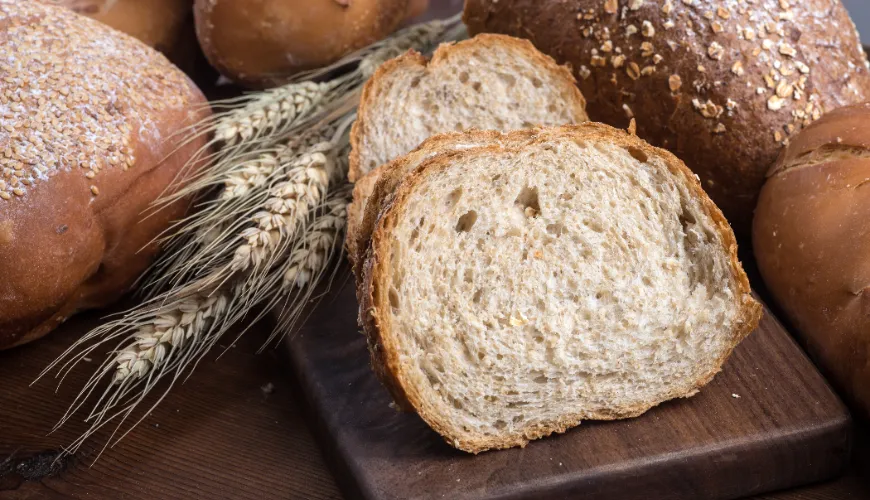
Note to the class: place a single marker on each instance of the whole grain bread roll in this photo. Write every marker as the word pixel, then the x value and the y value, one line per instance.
pixel 260 43
pixel 89 122
pixel 811 238
pixel 722 84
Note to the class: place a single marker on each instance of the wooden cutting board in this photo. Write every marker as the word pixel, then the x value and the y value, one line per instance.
pixel 768 421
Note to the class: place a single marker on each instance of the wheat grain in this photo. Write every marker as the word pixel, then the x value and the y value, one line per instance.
pixel 170 330
pixel 273 109
pixel 310 255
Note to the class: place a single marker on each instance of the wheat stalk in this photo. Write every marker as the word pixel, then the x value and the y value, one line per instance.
pixel 269 219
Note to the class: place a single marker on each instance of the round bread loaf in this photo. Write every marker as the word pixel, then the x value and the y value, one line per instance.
pixel 158 23
pixel 89 138
pixel 811 237
pixel 723 84
pixel 260 43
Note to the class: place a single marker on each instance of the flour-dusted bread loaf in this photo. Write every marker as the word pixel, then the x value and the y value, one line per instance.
pixel 90 136
pixel 721 84
pixel 513 291
pixel 491 82
pixel 811 237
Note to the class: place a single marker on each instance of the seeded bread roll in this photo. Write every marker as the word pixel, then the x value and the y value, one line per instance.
pixel 260 43
pixel 812 243
pixel 551 276
pixel 723 84
pixel 89 122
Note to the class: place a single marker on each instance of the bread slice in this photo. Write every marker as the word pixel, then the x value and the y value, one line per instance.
pixel 513 291
pixel 490 82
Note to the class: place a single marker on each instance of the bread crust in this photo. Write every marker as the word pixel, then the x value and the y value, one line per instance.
pixel 73 241
pixel 375 302
pixel 695 88
pixel 412 59
pixel 261 43
pixel 811 239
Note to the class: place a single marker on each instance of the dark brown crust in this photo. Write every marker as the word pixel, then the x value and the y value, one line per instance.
pixel 377 322
pixel 811 239
pixel 373 88
pixel 732 163
pixel 63 250
pixel 261 43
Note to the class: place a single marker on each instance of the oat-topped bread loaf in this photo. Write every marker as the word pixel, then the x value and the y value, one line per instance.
pixel 551 276
pixel 491 82
pixel 723 84
pixel 89 138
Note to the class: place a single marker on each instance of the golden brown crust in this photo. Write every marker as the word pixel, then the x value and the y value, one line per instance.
pixel 375 301
pixel 78 238
pixel 811 239
pixel 261 43
pixel 723 85
pixel 444 52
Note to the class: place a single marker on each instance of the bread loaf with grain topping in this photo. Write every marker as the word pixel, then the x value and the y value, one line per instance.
pixel 547 277
pixel 811 238
pixel 90 123
pixel 723 84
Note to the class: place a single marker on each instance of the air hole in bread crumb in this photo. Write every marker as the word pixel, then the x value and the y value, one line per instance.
pixel 466 222
pixel 463 77
pixel 537 83
pixel 518 418
pixel 415 81
pixel 542 379
pixel 394 298
pixel 552 108
pixel 453 198
pixel 499 357
pixel 555 229
pixel 469 276
pixel 476 297
pixel 528 125
pixel 637 154
pixel 500 424
pixel 528 202
pixel 476 86
pixel 508 79
pixel 539 339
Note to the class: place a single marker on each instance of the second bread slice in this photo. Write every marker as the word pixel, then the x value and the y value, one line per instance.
pixel 551 276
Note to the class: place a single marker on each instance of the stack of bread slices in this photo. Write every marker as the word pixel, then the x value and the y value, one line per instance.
pixel 514 283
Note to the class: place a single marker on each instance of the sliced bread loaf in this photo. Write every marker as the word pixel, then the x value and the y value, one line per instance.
pixel 551 276
pixel 492 82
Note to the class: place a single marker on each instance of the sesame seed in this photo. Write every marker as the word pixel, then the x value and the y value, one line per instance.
pixel 628 112
pixel 787 50
pixel 95 190
pixel 737 68
pixel 719 129
pixel 4 195
pixel 611 6
pixel 630 30
pixel 648 70
pixel 18 192
pixel 635 4
pixel 617 61
pixel 723 13
pixel 675 82
pixel 633 71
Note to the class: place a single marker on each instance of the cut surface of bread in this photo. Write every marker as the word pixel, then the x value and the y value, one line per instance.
pixel 490 82
pixel 516 289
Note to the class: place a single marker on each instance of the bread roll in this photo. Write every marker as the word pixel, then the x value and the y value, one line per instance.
pixel 157 23
pixel 551 276
pixel 89 122
pixel 812 242
pixel 723 85
pixel 260 43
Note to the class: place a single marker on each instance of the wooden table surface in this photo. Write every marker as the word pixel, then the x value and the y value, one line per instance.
pixel 235 429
